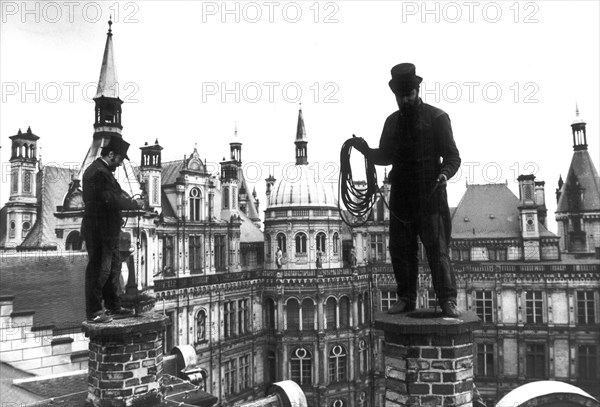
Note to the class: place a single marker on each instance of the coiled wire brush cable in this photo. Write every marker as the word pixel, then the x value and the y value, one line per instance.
pixel 358 201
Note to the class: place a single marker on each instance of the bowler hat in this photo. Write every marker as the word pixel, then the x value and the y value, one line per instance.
pixel 119 146
pixel 404 78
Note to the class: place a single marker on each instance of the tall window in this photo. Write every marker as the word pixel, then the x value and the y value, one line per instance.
pixel 308 314
pixel 497 253
pixel 293 314
pixel 281 242
pixel 344 312
pixel 461 254
pixel 361 310
pixel 336 244
pixel 195 254
pixel 321 242
pixel 377 253
pixel 271 368
pixel 268 246
pixel 301 244
pixel 243 316
pixel 15 181
pixel 337 364
pixel 220 259
pixel 230 376
pixel 225 198
pixel 229 319
pixel 201 326
pixel 484 305
pixel 367 313
pixel 534 306
pixel 330 313
pixel 270 314
pixel 388 298
pixel 535 361
pixel 301 366
pixel 155 190
pixel 195 205
pixel 585 307
pixel 168 255
pixel 27 181
pixel 244 372
pixel 485 359
pixel 587 358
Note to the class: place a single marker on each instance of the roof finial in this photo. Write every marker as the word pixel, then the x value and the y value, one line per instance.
pixel 300 106
pixel 235 130
pixel 576 109
pixel 110 24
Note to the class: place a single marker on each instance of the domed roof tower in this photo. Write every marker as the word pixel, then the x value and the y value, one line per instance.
pixel 302 215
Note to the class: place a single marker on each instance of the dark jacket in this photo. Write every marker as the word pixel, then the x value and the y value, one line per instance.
pixel 420 148
pixel 104 199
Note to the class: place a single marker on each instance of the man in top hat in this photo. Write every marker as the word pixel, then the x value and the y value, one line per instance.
pixel 101 227
pixel 417 141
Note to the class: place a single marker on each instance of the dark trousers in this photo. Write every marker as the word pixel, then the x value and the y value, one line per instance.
pixel 102 273
pixel 425 216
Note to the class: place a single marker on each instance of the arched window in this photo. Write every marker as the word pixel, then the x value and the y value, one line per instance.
pixel 330 313
pixel 367 313
pixel 281 242
pixel 293 314
pixel 270 314
pixel 301 243
pixel 201 326
pixel 337 364
pixel 301 366
pixel 361 310
pixel 321 242
pixel 362 356
pixel 308 315
pixel 344 312
pixel 195 204
pixel 338 403
pixel 73 241
pixel 336 244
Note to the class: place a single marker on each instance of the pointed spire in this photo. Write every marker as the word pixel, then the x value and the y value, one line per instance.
pixel 108 81
pixel 301 129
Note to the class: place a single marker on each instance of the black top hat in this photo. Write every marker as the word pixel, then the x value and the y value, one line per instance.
pixel 404 78
pixel 119 146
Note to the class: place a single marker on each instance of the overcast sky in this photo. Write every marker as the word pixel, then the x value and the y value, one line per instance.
pixel 508 73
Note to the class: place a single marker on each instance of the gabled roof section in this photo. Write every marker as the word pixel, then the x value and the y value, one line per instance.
pixel 486 211
pixel 53 185
pixel 108 81
pixel 170 171
pixel 582 180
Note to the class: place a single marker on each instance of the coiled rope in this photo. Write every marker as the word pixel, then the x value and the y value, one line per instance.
pixel 358 201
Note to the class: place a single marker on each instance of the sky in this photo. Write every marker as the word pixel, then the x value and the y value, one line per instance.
pixel 508 73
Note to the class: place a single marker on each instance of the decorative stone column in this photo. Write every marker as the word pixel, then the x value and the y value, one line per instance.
pixel 125 363
pixel 428 359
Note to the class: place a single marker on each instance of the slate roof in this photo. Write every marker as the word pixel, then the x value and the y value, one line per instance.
pixel 582 174
pixel 249 233
pixel 170 171
pixel 56 385
pixel 10 394
pixel 49 284
pixel 489 211
pixel 53 185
